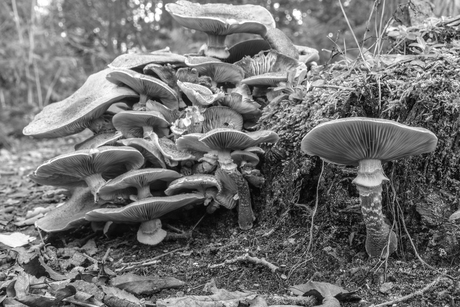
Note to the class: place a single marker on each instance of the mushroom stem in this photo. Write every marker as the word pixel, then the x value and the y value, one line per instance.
pixel 95 181
pixel 369 184
pixel 216 47
pixel 245 215
pixel 143 192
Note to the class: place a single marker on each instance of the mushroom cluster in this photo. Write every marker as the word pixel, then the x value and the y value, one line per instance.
pixel 170 130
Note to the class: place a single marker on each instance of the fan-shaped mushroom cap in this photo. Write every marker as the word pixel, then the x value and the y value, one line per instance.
pixel 134 60
pixel 90 164
pixel 199 95
pixel 247 48
pixel 222 117
pixel 151 233
pixel 141 179
pixel 148 149
pixel 220 72
pixel 146 209
pixel 244 157
pixel 280 42
pixel 140 123
pixel 267 62
pixel 142 84
pixel 71 214
pixel 76 112
pixel 172 155
pixel 100 139
pixel 196 182
pixel 230 139
pixel 350 140
pixel 219 20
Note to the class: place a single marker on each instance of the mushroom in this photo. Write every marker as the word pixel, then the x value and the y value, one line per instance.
pixel 199 95
pixel 307 55
pixel 267 62
pixel 142 179
pixel 171 154
pixel 140 123
pixel 220 72
pixel 93 166
pixel 148 149
pixel 245 48
pixel 146 86
pixel 219 20
pixel 71 214
pixel 207 185
pixel 219 143
pixel 135 61
pixel 76 112
pixel 240 100
pixel 100 139
pixel 221 117
pixel 279 41
pixel 366 143
pixel 190 122
pixel 151 233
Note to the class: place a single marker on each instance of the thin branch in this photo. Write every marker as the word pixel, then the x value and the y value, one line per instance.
pixel 409 296
pixel 315 209
pixel 247 258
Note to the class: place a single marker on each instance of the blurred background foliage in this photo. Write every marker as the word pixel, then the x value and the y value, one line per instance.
pixel 49 47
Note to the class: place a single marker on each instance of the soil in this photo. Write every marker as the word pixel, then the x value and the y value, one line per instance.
pixel 280 236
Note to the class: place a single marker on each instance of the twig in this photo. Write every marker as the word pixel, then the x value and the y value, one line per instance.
pixel 247 258
pixel 335 87
pixel 132 265
pixel 409 296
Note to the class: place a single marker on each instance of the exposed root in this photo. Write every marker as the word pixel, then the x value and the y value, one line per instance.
pixel 409 296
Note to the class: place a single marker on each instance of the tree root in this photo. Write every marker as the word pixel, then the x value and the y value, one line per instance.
pixel 246 258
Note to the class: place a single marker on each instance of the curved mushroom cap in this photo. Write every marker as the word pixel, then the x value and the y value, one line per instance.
pixel 199 95
pixel 146 209
pixel 281 42
pixel 100 139
pixel 222 117
pixel 191 142
pixel 244 156
pixel 169 114
pixel 196 182
pixel 77 111
pixel 350 140
pixel 133 60
pixel 307 54
pixel 137 123
pixel 150 232
pixel 165 73
pixel 228 196
pixel 148 149
pixel 71 214
pixel 267 62
pixel 245 48
pixel 221 19
pixel 110 161
pixel 58 180
pixel 145 85
pixel 267 79
pixel 155 178
pixel 221 72
pixel 230 139
pixel 171 154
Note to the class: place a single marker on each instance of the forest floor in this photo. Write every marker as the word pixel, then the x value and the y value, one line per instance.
pixel 268 259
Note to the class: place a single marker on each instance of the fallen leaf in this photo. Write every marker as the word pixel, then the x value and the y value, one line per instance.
pixel 16 239
pixel 145 284
pixel 220 298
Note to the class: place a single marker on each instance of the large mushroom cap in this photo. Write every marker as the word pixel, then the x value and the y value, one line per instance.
pixel 222 19
pixel 108 161
pixel 350 140
pixel 144 210
pixel 133 60
pixel 77 111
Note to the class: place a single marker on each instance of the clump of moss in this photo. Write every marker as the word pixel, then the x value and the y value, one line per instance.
pixel 418 91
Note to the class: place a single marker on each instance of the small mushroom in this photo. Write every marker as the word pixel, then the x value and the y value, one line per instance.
pixel 171 154
pixel 220 72
pixel 199 95
pixel 151 233
pixel 76 112
pixel 221 117
pixel 93 166
pixel 218 20
pixel 267 62
pixel 144 180
pixel 135 124
pixel 148 149
pixel 205 184
pixel 366 143
pixel 146 86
